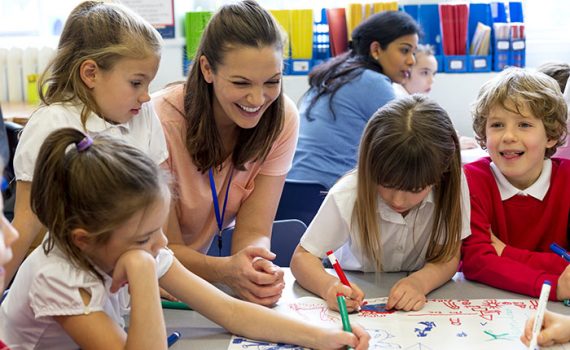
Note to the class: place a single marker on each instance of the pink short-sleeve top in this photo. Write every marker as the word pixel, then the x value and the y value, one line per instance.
pixel 192 194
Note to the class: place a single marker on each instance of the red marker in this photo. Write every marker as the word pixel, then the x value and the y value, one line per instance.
pixel 337 268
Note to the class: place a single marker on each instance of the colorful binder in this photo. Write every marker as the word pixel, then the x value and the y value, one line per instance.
pixel 195 23
pixel 337 30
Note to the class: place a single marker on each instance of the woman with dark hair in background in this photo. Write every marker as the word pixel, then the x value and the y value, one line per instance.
pixel 346 91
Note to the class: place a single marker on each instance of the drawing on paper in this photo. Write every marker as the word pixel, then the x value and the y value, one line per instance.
pixel 441 324
pixel 244 343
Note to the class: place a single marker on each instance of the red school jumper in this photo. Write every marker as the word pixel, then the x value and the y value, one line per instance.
pixel 526 225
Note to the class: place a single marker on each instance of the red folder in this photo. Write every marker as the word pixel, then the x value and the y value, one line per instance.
pixel 447 29
pixel 338 36
pixel 462 17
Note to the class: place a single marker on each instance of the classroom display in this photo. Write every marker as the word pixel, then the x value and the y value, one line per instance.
pixel 475 37
pixel 442 324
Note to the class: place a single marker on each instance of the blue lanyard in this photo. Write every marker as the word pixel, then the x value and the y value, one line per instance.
pixel 219 218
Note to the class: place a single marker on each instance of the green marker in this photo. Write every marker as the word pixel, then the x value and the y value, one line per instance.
pixel 343 314
pixel 167 304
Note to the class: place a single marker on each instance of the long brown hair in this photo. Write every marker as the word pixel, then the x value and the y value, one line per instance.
pixel 409 144
pixel 96 189
pixel 104 33
pixel 243 24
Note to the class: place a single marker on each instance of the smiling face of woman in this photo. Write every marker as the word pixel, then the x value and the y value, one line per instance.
pixel 244 85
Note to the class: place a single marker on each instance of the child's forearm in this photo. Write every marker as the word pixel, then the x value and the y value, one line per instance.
pixel 210 268
pixel 28 226
pixel 267 324
pixel 146 324
pixel 310 273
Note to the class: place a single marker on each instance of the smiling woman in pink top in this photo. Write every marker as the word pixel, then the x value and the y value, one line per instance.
pixel 231 131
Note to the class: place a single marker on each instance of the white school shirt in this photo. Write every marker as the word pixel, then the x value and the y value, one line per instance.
pixel 143 131
pixel 48 285
pixel 537 190
pixel 404 240
pixel 400 91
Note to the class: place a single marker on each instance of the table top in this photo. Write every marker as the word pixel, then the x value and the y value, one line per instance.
pixel 17 112
pixel 200 333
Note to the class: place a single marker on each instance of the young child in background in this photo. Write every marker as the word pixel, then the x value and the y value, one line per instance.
pixel 420 81
pixel 7 236
pixel 422 73
pixel 98 82
pixel 560 72
pixel 405 208
pixel 555 330
pixel 520 197
pixel 104 202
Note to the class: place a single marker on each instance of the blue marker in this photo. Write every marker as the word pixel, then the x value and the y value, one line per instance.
pixel 173 338
pixel 558 250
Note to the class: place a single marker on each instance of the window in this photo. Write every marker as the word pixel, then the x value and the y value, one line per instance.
pixel 29 22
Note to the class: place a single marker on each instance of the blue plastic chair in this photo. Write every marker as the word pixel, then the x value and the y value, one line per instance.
pixel 300 200
pixel 285 237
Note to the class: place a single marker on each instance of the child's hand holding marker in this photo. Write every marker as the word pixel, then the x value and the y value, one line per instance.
pixel 354 295
pixel 354 298
pixel 555 330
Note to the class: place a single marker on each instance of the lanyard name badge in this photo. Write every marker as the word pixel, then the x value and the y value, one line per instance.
pixel 219 218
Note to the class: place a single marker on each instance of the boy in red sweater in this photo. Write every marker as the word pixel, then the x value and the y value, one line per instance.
pixel 520 198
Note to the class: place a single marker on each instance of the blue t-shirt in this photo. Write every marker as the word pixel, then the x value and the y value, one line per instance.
pixel 328 147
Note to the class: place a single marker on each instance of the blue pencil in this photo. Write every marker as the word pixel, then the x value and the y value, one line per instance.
pixel 173 338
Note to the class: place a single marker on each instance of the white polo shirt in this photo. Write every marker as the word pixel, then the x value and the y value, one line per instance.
pixel 143 131
pixel 404 240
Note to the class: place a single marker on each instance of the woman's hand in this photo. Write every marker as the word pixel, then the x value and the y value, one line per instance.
pixel 253 277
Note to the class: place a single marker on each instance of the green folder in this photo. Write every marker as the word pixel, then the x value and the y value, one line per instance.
pixel 194 24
